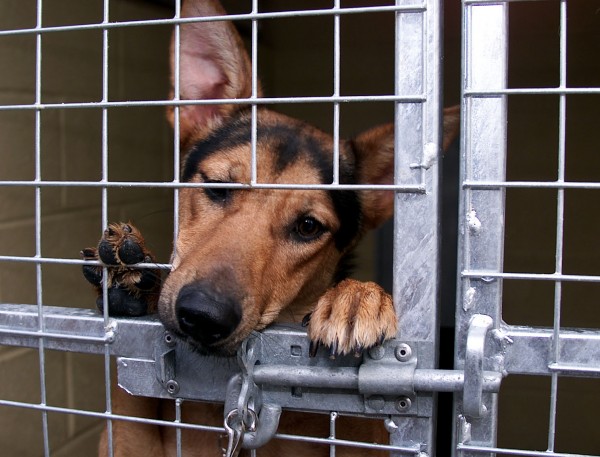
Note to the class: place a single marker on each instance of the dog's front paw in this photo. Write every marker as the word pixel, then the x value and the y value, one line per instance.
pixel 131 291
pixel 352 316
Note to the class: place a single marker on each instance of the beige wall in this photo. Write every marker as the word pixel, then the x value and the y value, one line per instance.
pixel 70 142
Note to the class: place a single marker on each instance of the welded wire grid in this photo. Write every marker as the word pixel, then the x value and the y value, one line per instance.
pixel 493 15
pixel 105 183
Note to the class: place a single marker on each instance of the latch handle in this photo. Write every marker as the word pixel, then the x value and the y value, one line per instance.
pixel 475 347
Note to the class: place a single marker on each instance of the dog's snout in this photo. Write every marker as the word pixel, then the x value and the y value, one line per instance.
pixel 204 316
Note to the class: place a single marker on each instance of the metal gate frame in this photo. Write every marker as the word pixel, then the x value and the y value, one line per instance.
pixel 151 363
pixel 509 349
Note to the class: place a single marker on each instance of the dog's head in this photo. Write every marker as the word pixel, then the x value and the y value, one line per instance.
pixel 243 256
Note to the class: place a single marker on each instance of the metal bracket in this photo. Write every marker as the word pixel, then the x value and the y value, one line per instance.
pixel 164 356
pixel 389 380
pixel 398 361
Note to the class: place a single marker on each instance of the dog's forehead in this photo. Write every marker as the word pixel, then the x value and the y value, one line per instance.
pixel 289 151
pixel 285 149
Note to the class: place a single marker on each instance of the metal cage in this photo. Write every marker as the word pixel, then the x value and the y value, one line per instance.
pixel 398 383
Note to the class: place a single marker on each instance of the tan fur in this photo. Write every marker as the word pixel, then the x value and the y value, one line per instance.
pixel 349 314
pixel 246 245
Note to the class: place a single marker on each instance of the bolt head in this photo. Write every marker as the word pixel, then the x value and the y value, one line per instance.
pixel 403 352
pixel 169 339
pixel 403 404
pixel 172 387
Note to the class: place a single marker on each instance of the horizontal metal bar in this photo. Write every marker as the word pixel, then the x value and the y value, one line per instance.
pixel 63 261
pixel 495 185
pixel 488 276
pixel 415 8
pixel 205 428
pixel 407 188
pixel 111 416
pixel 529 351
pixel 452 381
pixel 78 330
pixel 496 2
pixel 425 380
pixel 43 334
pixel 533 91
pixel 415 98
pixel 416 450
pixel 286 376
pixel 567 368
pixel 521 452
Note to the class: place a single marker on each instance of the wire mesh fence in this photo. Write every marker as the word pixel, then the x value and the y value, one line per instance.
pixel 83 93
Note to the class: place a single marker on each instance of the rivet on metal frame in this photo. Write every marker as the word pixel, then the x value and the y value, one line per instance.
pixel 376 402
pixel 377 352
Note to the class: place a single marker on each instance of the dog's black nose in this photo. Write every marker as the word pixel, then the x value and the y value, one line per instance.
pixel 204 315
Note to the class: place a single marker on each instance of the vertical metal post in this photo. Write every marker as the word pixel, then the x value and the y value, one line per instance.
pixel 105 179
pixel 38 225
pixel 416 220
pixel 481 211
pixel 176 112
pixel 254 95
pixel 560 215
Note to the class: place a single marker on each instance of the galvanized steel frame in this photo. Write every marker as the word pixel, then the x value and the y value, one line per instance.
pixel 510 349
pixel 417 101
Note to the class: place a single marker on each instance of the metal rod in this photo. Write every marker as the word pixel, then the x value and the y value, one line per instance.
pixel 424 380
pixel 413 98
pixel 230 17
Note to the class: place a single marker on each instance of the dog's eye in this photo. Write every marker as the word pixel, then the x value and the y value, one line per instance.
pixel 217 194
pixel 308 228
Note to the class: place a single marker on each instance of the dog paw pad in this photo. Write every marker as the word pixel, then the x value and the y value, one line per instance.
pixel 131 291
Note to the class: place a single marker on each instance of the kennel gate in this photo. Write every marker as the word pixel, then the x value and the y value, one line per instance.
pixel 397 382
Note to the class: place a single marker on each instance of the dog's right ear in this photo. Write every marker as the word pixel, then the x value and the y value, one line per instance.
pixel 213 64
pixel 374 152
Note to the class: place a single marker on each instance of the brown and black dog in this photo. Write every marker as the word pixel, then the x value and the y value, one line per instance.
pixel 242 257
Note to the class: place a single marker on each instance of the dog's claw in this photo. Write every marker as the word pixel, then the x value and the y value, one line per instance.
pixel 358 351
pixel 333 350
pixel 313 348
pixel 306 320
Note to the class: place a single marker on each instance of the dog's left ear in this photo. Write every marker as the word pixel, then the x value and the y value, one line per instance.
pixel 213 64
pixel 374 150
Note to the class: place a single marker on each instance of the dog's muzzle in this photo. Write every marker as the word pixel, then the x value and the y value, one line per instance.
pixel 205 316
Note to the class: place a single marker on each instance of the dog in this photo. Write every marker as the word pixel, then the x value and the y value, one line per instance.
pixel 246 258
